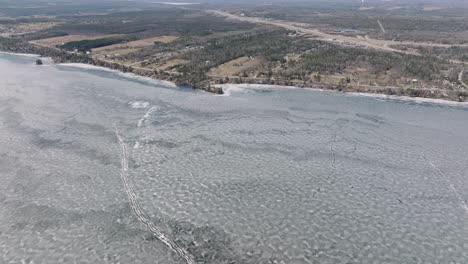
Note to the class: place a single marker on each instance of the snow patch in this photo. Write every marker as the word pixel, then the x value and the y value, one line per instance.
pixel 137 145
pixel 146 116
pixel 124 74
pixel 138 104
pixel 228 89
pixel 22 54
pixel 245 88
pixel 418 100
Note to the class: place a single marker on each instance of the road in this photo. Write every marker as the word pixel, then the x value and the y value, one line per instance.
pixel 460 79
pixel 311 32
pixel 338 39
pixel 381 26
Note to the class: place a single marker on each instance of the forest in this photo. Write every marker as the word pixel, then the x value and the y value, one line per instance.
pixel 87 45
pixel 194 47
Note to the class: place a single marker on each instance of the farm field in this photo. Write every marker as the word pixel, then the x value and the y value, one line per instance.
pixel 416 50
pixel 55 41
pixel 235 67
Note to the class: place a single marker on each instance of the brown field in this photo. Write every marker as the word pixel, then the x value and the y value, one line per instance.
pixel 115 52
pixel 133 45
pixel 169 64
pixel 28 27
pixel 361 76
pixel 52 42
pixel 151 41
pixel 235 67
pixel 22 28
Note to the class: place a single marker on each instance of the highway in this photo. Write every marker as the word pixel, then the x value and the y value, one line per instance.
pixel 384 45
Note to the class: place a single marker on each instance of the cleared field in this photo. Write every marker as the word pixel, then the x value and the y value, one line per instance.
pixel 235 67
pixel 151 41
pixel 36 26
pixel 52 42
pixel 22 28
pixel 167 65
pixel 115 52
pixel 133 45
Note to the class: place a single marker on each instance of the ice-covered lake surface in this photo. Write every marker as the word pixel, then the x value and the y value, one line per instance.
pixel 260 176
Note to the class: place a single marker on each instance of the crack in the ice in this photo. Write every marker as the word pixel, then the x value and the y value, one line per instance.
pixel 449 183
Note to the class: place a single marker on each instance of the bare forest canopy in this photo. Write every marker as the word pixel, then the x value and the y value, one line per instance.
pixel 416 48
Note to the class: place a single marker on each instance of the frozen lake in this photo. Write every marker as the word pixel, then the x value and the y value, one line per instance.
pixel 260 176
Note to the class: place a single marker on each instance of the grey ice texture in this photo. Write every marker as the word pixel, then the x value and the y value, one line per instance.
pixel 261 176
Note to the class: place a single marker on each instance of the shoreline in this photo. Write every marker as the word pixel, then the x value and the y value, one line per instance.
pixel 167 84
pixel 228 88
pixel 410 99
pixel 46 60
pixel 22 54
